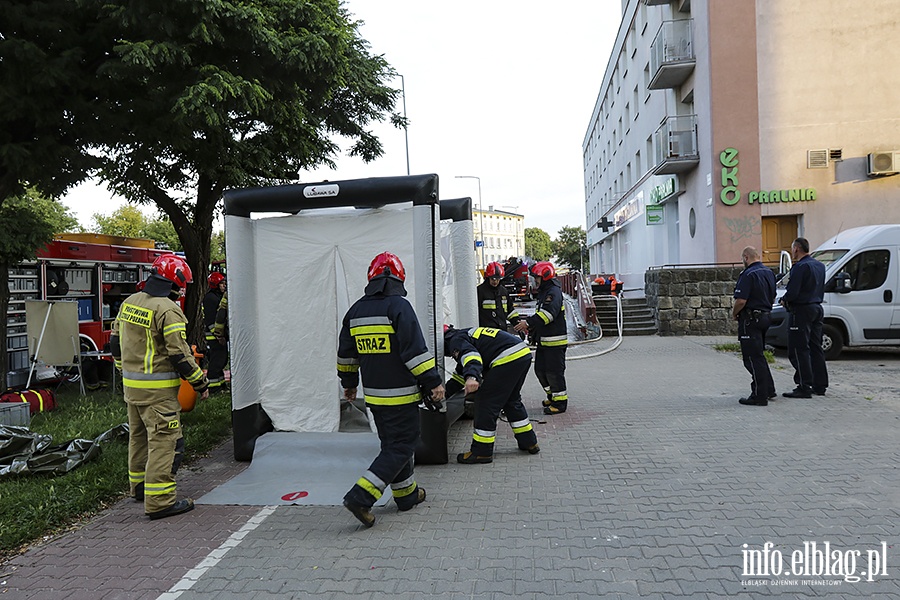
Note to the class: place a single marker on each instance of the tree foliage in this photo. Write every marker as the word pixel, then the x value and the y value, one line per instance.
pixel 129 221
pixel 49 52
pixel 209 95
pixel 538 244
pixel 28 223
pixel 570 248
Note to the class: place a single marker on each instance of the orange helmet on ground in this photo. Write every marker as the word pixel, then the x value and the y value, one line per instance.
pixel 494 269
pixel 173 268
pixel 215 278
pixel 543 270
pixel 387 264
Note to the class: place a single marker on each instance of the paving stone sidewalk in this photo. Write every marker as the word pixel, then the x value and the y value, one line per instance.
pixel 649 487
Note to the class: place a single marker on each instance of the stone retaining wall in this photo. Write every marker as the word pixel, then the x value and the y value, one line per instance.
pixel 692 301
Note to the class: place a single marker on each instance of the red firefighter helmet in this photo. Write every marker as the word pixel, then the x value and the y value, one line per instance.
pixel 215 278
pixel 173 268
pixel 494 269
pixel 387 264
pixel 139 286
pixel 543 270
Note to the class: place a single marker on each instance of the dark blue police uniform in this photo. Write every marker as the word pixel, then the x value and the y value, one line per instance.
pixel 803 300
pixel 756 285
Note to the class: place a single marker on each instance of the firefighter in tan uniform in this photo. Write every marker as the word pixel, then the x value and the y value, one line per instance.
pixel 149 345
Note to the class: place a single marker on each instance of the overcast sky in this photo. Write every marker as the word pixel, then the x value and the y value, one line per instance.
pixel 495 89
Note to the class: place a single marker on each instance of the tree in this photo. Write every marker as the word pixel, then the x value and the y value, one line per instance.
pixel 538 244
pixel 217 247
pixel 129 221
pixel 571 248
pixel 126 221
pixel 209 95
pixel 28 223
pixel 48 52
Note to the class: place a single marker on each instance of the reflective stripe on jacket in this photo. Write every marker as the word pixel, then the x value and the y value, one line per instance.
pixel 382 338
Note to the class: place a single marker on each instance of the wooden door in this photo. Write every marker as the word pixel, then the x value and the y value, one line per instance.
pixel 777 234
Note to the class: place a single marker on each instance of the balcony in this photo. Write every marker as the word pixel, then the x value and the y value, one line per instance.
pixel 656 2
pixel 672 55
pixel 676 145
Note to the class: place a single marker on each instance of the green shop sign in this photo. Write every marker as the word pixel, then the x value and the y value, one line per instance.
pixel 661 192
pixel 731 195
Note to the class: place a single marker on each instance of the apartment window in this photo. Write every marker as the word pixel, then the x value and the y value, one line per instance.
pixel 647 81
pixel 637 164
pixel 634 100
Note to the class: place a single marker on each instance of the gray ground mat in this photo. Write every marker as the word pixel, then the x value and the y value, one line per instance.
pixel 313 469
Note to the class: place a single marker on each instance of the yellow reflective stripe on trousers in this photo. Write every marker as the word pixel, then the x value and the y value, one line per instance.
pixel 400 492
pixel 135 477
pixel 555 340
pixel 522 428
pixel 158 489
pixel 484 436
pixel 369 487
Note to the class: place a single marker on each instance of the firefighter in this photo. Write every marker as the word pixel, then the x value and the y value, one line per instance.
pixel 149 344
pixel 382 338
pixel 493 364
pixel 495 306
pixel 220 327
pixel 548 328
pixel 216 351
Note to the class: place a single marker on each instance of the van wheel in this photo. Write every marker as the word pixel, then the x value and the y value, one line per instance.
pixel 832 342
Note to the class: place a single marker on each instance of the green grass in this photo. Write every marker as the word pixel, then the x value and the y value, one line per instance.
pixel 735 347
pixel 35 506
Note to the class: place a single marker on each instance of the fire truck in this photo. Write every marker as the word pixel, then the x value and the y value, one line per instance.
pixel 96 271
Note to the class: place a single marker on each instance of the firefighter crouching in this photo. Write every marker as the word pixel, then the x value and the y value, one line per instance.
pixel 149 345
pixel 382 338
pixel 494 364
pixel 495 306
pixel 215 351
pixel 548 328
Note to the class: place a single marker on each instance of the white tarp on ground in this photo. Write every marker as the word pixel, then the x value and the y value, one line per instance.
pixel 291 279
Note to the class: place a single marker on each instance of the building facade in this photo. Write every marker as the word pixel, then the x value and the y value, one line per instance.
pixel 503 235
pixel 727 123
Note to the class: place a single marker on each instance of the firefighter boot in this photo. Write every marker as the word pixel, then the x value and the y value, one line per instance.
pixel 468 458
pixel 549 399
pixel 362 513
pixel 531 449
pixel 139 492
pixel 419 498
pixel 180 506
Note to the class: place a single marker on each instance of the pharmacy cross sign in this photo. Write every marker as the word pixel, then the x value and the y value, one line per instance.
pixel 605 224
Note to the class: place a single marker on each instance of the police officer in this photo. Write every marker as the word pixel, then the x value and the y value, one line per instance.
pixel 216 351
pixel 495 306
pixel 494 364
pixel 754 295
pixel 548 328
pixel 803 300
pixel 149 344
pixel 381 337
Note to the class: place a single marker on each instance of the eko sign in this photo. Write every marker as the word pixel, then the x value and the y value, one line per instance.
pixel 731 195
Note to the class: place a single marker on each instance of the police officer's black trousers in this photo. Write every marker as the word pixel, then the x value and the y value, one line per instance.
pixel 752 336
pixel 398 430
pixel 550 368
pixel 218 358
pixel 805 347
pixel 501 389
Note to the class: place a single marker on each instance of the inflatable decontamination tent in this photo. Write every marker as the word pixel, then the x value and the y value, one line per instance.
pixel 294 274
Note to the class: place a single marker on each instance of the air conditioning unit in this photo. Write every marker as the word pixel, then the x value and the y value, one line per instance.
pixel 883 163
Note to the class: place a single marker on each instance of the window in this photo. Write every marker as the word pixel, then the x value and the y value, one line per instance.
pixel 868 270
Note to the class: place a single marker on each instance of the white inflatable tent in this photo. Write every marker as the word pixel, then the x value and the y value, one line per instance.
pixel 291 279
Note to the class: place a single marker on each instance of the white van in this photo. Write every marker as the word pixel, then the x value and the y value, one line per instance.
pixel 862 291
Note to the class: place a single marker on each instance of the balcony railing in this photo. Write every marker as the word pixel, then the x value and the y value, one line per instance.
pixel 676 145
pixel 672 54
pixel 656 2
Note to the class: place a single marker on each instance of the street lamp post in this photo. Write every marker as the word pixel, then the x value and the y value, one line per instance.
pixel 405 132
pixel 480 214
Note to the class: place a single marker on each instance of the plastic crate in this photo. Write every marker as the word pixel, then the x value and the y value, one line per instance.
pixel 15 413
